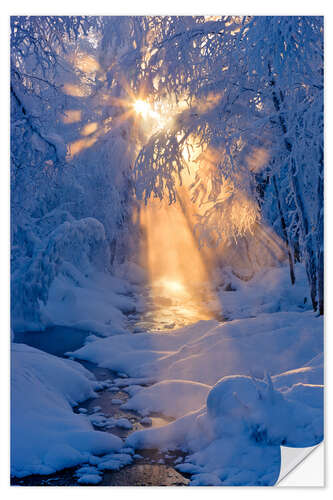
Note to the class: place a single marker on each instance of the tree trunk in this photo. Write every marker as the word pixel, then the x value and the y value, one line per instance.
pixel 320 238
pixel 285 234
pixel 310 255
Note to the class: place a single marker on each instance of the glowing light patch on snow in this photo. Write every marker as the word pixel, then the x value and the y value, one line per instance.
pixel 75 90
pixel 72 116
pixel 257 159
pixel 79 145
pixel 91 134
pixel 89 129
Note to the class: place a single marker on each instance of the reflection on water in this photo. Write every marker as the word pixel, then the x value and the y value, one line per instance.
pixel 170 304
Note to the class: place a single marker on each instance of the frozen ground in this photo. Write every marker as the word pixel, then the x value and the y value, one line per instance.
pixel 237 389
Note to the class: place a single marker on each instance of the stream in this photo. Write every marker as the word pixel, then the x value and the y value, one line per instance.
pixel 160 308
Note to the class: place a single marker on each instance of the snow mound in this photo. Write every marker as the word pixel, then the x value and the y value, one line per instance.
pixel 86 303
pixel 232 395
pixel 292 418
pixel 115 461
pixel 173 398
pixel 90 479
pixel 46 435
pixel 236 438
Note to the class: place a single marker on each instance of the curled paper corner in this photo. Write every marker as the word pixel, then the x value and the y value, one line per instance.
pixel 292 458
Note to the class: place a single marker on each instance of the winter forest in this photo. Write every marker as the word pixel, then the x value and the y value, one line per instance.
pixel 167 290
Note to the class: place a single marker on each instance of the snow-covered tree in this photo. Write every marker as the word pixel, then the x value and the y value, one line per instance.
pixel 233 111
pixel 254 93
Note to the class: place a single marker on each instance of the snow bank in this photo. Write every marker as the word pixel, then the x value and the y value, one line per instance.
pixel 236 438
pixel 132 272
pixel 95 303
pixel 46 435
pixel 208 350
pixel 268 291
pixel 293 417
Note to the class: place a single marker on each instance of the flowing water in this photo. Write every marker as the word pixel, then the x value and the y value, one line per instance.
pixel 168 305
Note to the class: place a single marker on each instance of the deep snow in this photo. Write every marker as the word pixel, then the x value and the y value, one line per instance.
pixel 262 373
pixel 46 435
pixel 237 389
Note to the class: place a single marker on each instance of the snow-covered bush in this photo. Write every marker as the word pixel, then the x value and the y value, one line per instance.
pixel 292 417
pixel 80 243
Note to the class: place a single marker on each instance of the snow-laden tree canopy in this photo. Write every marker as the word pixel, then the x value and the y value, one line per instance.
pixel 107 112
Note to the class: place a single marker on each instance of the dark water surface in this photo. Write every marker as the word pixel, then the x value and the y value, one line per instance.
pixel 56 340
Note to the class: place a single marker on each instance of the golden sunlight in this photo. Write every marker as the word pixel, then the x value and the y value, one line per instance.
pixel 173 286
pixel 80 145
pixel 142 108
pixel 181 284
pixel 89 128
pixel 156 116
pixel 177 267
pixel 75 90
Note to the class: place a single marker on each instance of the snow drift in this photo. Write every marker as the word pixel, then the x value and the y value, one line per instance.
pixel 46 435
pixel 235 438
pixel 238 390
